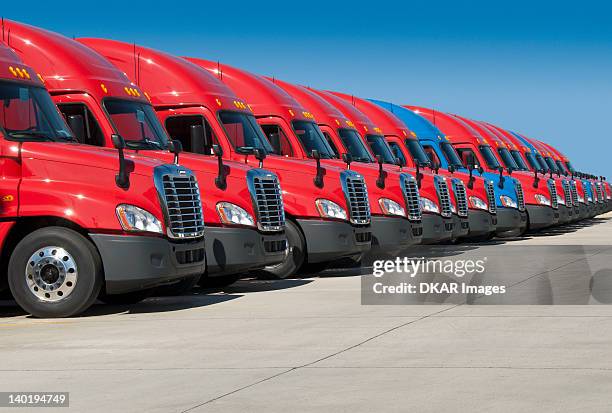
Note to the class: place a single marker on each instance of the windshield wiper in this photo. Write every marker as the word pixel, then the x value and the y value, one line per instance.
pixel 34 135
pixel 146 142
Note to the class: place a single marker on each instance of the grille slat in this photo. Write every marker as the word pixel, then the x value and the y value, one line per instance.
pixel 443 196
pixel 567 193
pixel 412 197
pixel 267 200
pixel 520 196
pixel 460 197
pixel 181 196
pixel 574 192
pixel 554 201
pixel 490 190
pixel 356 194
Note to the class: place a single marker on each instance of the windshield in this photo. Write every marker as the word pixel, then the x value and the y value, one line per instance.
pixel 137 123
pixel 311 138
pixel 417 152
pixel 355 146
pixel 519 160
pixel 489 157
pixel 243 131
pixel 508 160
pixel 561 167
pixel 452 157
pixel 380 148
pixel 27 113
pixel 570 166
pixel 551 164
pixel 542 163
pixel 533 162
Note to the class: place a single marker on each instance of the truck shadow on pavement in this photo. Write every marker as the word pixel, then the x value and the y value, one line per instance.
pixel 568 228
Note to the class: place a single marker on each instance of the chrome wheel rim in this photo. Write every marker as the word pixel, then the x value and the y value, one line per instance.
pixel 51 274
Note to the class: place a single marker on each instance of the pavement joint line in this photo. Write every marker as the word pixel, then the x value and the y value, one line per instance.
pixel 318 360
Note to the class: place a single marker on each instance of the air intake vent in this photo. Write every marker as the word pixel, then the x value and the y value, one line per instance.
pixel 567 193
pixel 443 196
pixel 554 201
pixel 520 196
pixel 460 197
pixel 356 194
pixel 411 197
pixel 491 196
pixel 267 200
pixel 180 199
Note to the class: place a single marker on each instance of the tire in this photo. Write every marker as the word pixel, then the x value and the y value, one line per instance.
pixel 133 297
pixel 294 258
pixel 66 276
pixel 179 288
pixel 219 282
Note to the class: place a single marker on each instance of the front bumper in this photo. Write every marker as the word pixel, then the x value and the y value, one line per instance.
pixel 541 216
pixel 134 263
pixel 237 250
pixel 510 219
pixel 482 223
pixel 436 229
pixel 461 226
pixel 333 240
pixel 392 234
pixel 565 214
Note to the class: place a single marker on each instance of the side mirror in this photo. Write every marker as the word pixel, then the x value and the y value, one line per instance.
pixel 220 180
pixel 118 141
pixel 175 147
pixel 260 155
pixel 77 124
pixel 380 182
pixel 470 160
pixel 217 150
pixel 318 179
pixel 400 162
pixel 122 179
pixel 196 136
pixel 379 159
pixel 347 158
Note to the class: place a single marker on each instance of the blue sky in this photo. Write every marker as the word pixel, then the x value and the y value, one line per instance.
pixel 541 68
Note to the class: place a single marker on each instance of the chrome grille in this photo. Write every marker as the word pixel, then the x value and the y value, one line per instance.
pixel 410 189
pixel 267 200
pixel 356 194
pixel 599 188
pixel 574 192
pixel 490 196
pixel 180 199
pixel 460 197
pixel 443 196
pixel 567 192
pixel 520 196
pixel 554 201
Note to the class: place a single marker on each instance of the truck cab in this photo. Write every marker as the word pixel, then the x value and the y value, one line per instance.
pixel 77 221
pixel 441 221
pixel 482 213
pixel 326 222
pixel 541 200
pixel 396 220
pixel 98 101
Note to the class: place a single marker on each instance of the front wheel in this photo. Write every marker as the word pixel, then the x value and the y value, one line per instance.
pixel 294 259
pixel 55 272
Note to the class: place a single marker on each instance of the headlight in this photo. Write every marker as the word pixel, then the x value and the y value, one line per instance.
pixel 390 207
pixel 478 203
pixel 233 214
pixel 329 209
pixel 560 200
pixel 453 209
pixel 580 199
pixel 508 202
pixel 428 205
pixel 542 200
pixel 589 198
pixel 133 218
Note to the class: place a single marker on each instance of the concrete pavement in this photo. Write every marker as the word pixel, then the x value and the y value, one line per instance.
pixel 309 345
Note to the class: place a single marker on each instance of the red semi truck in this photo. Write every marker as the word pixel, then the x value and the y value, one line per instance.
pixel 437 200
pixel 78 220
pixel 328 212
pixel 547 196
pixel 396 213
pixel 245 224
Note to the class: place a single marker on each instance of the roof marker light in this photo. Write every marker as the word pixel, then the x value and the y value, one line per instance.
pixel 218 102
pixel 103 87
